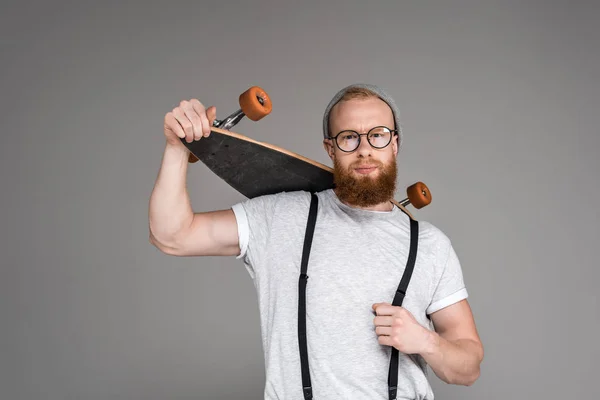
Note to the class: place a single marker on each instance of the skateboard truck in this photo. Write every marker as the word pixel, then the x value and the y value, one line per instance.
pixel 254 104
pixel 234 118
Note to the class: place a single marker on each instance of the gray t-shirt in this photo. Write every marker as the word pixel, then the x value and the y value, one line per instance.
pixel 357 259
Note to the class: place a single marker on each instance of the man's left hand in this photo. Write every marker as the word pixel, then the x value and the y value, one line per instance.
pixel 397 327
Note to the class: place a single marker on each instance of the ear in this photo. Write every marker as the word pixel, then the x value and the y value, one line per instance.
pixel 395 144
pixel 329 148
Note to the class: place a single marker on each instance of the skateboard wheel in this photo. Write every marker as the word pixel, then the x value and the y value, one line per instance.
pixel 255 103
pixel 418 195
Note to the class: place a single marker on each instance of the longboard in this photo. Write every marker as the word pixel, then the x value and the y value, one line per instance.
pixel 256 168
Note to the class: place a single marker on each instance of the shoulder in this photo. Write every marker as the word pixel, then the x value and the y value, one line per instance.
pixel 286 199
pixel 429 231
pixel 273 203
pixel 434 241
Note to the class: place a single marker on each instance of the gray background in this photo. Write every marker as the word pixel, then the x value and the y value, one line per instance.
pixel 500 108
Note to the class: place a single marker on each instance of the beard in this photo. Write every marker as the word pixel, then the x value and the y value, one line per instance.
pixel 365 191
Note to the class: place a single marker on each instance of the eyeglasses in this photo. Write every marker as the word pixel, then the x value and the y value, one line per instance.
pixel 378 137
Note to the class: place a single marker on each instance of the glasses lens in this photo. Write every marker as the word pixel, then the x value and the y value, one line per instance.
pixel 379 136
pixel 347 140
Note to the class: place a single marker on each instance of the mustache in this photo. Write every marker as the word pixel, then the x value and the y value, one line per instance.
pixel 361 164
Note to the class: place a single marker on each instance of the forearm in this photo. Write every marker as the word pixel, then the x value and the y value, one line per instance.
pixel 170 209
pixel 455 362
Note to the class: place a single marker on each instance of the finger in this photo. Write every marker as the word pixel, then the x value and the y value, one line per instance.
pixel 201 111
pixel 385 340
pixel 211 113
pixel 385 309
pixel 185 123
pixel 376 305
pixel 172 124
pixel 383 321
pixel 382 303
pixel 383 331
pixel 189 111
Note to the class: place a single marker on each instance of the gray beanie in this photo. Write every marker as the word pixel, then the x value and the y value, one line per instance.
pixel 375 89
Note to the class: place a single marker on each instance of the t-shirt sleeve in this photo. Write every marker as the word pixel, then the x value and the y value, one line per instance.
pixel 451 287
pixel 243 228
pixel 254 219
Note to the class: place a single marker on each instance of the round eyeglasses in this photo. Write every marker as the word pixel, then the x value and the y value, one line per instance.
pixel 378 137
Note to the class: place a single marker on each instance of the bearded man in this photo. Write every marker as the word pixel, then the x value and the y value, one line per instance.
pixel 337 334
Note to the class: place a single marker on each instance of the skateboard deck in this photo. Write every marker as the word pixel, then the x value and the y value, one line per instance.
pixel 255 168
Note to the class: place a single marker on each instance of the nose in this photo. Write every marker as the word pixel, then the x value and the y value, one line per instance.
pixel 364 148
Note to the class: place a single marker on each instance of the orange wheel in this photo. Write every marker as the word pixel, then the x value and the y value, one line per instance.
pixel 250 103
pixel 418 195
pixel 192 158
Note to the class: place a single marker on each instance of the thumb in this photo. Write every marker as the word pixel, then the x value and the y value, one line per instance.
pixel 211 114
pixel 374 307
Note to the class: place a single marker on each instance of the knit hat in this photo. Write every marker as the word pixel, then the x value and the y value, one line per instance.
pixel 375 89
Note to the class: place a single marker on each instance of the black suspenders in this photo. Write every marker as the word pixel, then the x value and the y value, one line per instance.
pixel 398 298
pixel 312 217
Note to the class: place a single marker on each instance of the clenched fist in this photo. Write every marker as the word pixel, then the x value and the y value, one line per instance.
pixel 189 121
pixel 397 327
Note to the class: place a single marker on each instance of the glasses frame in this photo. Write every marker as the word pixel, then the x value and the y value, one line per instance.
pixel 393 132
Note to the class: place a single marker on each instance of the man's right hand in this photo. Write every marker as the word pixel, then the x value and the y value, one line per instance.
pixel 190 121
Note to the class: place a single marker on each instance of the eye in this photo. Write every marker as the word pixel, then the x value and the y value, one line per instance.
pixel 348 136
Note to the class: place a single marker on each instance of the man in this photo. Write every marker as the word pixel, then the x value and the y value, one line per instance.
pixel 358 255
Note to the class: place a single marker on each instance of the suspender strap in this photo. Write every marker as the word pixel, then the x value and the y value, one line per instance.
pixel 303 280
pixel 398 299
pixel 312 217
